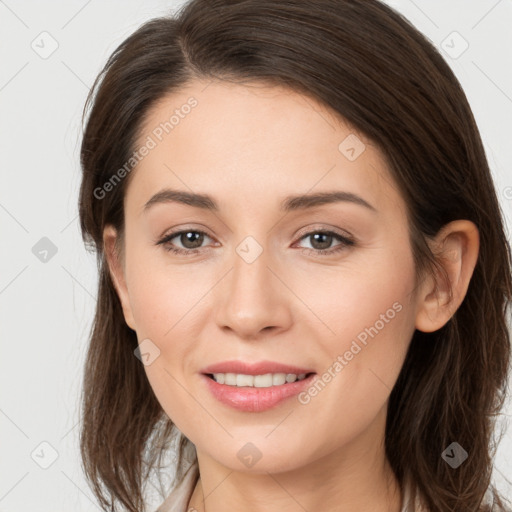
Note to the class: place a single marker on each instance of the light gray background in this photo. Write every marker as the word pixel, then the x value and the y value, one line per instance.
pixel 46 308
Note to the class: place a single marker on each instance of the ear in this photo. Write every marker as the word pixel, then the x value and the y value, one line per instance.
pixel 456 248
pixel 117 272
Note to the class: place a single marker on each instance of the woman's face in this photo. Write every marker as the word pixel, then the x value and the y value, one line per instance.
pixel 257 286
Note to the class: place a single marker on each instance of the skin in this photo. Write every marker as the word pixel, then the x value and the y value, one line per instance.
pixel 249 146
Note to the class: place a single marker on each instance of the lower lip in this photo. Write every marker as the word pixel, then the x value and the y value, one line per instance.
pixel 252 399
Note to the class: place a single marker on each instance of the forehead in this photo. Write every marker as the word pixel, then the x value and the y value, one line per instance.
pixel 254 143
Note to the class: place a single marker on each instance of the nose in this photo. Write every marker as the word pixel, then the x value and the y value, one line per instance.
pixel 253 299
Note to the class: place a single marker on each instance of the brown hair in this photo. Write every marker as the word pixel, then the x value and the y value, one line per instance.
pixel 372 67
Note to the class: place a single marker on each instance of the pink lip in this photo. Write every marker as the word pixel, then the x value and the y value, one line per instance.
pixel 259 368
pixel 252 399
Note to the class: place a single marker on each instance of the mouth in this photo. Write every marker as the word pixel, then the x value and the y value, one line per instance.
pixel 238 392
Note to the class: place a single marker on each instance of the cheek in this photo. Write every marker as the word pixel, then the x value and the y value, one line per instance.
pixel 162 301
pixel 161 296
pixel 369 293
pixel 373 316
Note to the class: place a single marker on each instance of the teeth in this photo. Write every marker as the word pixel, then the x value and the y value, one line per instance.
pixel 257 381
pixel 243 380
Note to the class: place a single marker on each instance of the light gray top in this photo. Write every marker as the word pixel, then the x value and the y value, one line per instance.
pixel 178 499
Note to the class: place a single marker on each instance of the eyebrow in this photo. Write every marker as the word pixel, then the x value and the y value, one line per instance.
pixel 290 203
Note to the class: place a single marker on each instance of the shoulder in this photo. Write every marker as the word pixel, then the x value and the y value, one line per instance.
pixel 411 499
pixel 179 497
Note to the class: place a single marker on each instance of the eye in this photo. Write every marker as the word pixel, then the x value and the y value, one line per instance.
pixel 322 240
pixel 191 239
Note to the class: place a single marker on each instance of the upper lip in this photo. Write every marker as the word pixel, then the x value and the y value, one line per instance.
pixel 258 368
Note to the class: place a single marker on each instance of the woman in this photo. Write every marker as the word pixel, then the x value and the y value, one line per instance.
pixel 362 371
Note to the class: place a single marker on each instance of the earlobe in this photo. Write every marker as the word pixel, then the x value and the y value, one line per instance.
pixel 117 272
pixel 456 249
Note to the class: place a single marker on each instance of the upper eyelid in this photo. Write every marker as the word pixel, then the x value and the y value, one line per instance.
pixel 319 229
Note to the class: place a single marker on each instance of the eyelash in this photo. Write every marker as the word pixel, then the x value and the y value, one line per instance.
pixel 345 242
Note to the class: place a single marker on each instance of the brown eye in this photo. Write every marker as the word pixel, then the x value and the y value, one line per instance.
pixel 321 242
pixel 191 241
